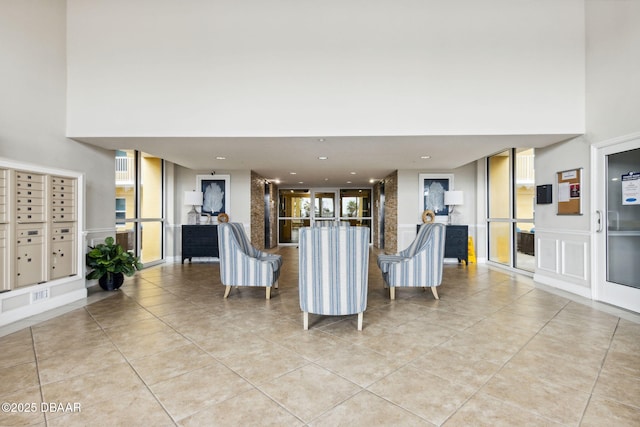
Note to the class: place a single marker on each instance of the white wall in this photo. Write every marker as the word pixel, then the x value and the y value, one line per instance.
pixel 286 67
pixel 32 105
pixel 562 241
pixel 240 201
pixel 612 111
pixel 32 126
pixel 613 69
pixel 410 202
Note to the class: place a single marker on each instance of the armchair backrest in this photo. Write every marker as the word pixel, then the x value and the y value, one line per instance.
pixel 333 269
pixel 331 223
pixel 435 251
pixel 424 232
pixel 424 267
pixel 239 238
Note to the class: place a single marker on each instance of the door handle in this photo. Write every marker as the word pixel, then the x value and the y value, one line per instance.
pixel 599 221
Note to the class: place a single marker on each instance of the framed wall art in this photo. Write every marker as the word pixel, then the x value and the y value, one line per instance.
pixel 215 194
pixel 432 189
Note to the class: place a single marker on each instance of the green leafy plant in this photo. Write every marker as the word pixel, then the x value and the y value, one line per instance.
pixel 110 257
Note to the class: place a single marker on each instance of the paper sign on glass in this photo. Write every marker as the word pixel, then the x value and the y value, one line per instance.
pixel 631 188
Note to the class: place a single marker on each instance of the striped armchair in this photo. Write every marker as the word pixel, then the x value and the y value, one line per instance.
pixel 330 223
pixel 420 265
pixel 333 271
pixel 243 265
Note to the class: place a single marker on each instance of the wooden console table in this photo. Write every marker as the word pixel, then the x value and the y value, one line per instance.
pixel 199 241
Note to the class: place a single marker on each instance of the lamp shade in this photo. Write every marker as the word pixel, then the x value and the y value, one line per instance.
pixel 193 198
pixel 453 198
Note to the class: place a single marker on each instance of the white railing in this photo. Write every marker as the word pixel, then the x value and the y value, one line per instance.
pixel 125 170
pixel 525 173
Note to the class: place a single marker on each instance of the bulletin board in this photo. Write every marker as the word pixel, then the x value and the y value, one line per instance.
pixel 570 192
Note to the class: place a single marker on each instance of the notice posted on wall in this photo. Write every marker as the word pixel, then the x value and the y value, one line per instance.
pixel 570 192
pixel 564 192
pixel 631 188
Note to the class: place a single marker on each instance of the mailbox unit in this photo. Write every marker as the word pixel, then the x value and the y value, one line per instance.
pixel 38 228
pixel 4 264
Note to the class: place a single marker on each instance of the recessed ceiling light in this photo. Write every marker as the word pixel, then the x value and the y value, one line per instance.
pixel 300 182
pixel 322 158
pixel 425 157
pixel 348 182
pixel 321 139
pixel 352 173
pixel 326 179
pixel 221 158
pixel 292 173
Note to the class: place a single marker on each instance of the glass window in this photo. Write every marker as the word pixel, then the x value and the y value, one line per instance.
pixel 324 205
pixel 139 204
pixel 294 212
pixel 121 210
pixel 499 185
pixel 295 204
pixel 525 197
pixel 511 204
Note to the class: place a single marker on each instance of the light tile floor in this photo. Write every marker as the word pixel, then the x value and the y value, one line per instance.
pixel 167 349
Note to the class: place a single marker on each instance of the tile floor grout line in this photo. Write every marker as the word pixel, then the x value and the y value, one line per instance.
pixel 254 386
pixel 381 304
pixel 132 367
pixel 35 356
pixel 604 360
pixel 483 385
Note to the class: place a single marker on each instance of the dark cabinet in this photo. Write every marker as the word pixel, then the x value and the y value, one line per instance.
pixel 456 243
pixel 526 243
pixel 199 241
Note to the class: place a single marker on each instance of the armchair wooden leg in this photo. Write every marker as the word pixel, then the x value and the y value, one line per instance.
pixel 360 321
pixel 226 291
pixel 305 320
pixel 275 285
pixel 435 292
pixel 268 292
pixel 392 292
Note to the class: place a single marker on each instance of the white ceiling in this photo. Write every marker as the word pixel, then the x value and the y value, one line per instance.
pixel 370 158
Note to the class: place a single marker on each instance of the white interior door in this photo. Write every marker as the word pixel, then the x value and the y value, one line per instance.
pixel 617 237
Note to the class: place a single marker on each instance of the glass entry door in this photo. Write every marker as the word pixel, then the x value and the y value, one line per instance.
pixel 294 212
pixel 324 203
pixel 304 208
pixel 618 226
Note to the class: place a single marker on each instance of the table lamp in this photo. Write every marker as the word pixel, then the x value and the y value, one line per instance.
pixel 193 198
pixel 453 199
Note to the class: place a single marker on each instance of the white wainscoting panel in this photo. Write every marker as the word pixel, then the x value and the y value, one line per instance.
pixel 547 254
pixel 574 257
pixel 563 260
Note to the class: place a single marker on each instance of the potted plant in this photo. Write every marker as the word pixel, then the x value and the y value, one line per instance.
pixel 110 263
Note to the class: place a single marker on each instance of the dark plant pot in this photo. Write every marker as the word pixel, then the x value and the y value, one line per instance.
pixel 111 281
